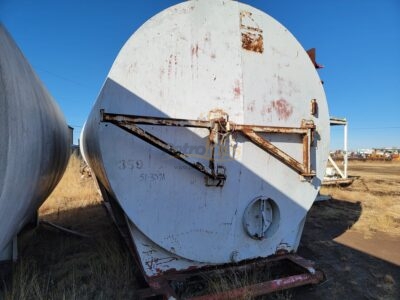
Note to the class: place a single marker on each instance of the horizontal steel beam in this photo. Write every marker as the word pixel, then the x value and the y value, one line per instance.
pixel 224 124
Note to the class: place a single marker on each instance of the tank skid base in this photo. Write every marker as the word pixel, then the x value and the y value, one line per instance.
pixel 298 271
pixel 274 273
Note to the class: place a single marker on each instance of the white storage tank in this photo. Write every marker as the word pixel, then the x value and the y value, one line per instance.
pixel 34 148
pixel 212 133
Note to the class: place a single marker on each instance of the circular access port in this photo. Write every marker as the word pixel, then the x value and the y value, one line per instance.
pixel 261 217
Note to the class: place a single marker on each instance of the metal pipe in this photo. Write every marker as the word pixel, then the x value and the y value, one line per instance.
pixel 345 158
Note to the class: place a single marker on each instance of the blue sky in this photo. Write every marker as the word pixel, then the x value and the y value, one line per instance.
pixel 72 45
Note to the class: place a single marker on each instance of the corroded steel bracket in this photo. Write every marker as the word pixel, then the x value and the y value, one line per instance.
pixel 129 123
pixel 218 126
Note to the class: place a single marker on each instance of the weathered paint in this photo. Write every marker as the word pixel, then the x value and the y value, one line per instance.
pixel 35 142
pixel 262 98
pixel 282 108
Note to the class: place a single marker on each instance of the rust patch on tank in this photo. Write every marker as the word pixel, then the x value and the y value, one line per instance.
pixel 252 42
pixel 252 34
pixel 282 108
pixel 236 89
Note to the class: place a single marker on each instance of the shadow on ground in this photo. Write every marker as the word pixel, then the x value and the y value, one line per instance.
pixel 350 273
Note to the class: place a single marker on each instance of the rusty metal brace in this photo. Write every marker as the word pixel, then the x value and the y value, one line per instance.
pixel 218 126
pixel 308 275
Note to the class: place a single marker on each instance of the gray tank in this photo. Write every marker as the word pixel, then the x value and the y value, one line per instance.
pixel 34 148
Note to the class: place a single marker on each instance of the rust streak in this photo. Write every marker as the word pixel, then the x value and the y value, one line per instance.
pixel 282 108
pixel 195 50
pixel 251 28
pixel 236 90
pixel 170 65
pixel 306 153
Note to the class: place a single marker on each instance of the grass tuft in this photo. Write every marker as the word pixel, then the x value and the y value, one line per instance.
pixel 74 190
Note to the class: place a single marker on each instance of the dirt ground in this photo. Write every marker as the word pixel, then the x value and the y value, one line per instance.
pixel 354 238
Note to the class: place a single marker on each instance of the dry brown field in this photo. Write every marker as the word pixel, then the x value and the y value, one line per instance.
pixel 354 238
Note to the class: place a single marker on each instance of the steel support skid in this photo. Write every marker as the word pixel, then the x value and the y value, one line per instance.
pixel 302 272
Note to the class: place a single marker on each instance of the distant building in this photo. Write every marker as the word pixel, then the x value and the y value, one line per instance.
pixel 365 151
pixel 71 135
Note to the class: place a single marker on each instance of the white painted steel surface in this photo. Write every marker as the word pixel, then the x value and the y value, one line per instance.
pixel 34 146
pixel 189 60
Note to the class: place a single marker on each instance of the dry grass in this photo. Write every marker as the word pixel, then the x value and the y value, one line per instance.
pixel 209 285
pixel 56 265
pixel 233 281
pixel 72 192
pixel 244 278
pixel 378 191
pixel 106 273
pixel 230 281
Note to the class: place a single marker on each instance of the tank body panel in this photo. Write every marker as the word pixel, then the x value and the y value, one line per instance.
pixel 35 148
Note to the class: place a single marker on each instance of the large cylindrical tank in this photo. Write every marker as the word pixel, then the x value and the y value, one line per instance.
pixel 210 60
pixel 34 147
